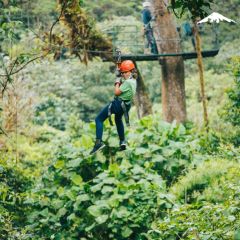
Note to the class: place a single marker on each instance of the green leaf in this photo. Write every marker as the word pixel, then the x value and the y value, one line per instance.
pixel 110 180
pixel 125 164
pixel 97 187
pixel 77 179
pixel 106 189
pixel 154 147
pixel 83 198
pixel 122 212
pixel 126 232
pixel 61 212
pixel 113 142
pixel 57 203
pixel 114 200
pixel 114 168
pixel 60 191
pixel 86 141
pixel 71 217
pixel 59 164
pixel 70 194
pixel 95 210
pixel 100 157
pixel 74 163
pixel 101 219
pixel 44 212
pixel 146 122
pixel 231 218
pixel 137 170
pixel 89 228
pixel 158 158
pixel 140 151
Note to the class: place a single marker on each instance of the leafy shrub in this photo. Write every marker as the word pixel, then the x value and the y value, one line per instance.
pixel 164 147
pixel 13 210
pixel 231 111
pixel 85 197
pixel 207 221
pixel 112 195
pixel 206 181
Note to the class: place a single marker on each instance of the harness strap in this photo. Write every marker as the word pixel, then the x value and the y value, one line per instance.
pixel 125 112
pixel 109 114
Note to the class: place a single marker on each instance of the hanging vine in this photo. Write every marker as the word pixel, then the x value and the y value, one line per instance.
pixel 86 40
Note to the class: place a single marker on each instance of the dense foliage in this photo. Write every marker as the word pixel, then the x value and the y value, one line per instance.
pixel 231 110
pixel 113 195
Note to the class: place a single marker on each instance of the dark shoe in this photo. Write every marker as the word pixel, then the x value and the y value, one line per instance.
pixel 97 147
pixel 123 145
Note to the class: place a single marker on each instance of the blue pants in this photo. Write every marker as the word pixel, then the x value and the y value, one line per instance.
pixel 103 115
pixel 150 40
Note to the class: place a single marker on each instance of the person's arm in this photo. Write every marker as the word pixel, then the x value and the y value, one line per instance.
pixel 117 90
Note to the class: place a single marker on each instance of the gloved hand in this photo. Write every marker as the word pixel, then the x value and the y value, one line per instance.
pixel 118 81
pixel 118 73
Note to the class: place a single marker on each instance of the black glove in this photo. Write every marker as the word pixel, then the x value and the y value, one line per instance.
pixel 118 73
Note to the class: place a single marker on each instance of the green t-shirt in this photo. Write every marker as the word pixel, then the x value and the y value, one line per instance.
pixel 128 89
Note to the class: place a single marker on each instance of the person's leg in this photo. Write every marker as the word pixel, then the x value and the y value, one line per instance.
pixel 117 109
pixel 152 42
pixel 120 126
pixel 120 130
pixel 149 38
pixel 101 117
pixel 118 112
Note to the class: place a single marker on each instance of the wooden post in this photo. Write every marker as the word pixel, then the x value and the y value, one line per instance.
pixel 201 76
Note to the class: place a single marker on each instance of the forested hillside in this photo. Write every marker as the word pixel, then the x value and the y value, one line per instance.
pixel 175 180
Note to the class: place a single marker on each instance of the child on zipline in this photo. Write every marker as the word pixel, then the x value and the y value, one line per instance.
pixel 125 89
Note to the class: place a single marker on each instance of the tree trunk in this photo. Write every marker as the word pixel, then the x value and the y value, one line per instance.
pixel 168 41
pixel 201 77
pixel 143 103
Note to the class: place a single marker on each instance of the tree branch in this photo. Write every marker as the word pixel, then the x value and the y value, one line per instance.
pixel 18 70
pixel 58 19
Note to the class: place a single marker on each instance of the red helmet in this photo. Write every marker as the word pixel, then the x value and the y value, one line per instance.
pixel 127 66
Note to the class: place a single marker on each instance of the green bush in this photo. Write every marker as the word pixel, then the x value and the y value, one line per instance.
pixel 112 195
pixel 117 203
pixel 13 209
pixel 207 221
pixel 206 182
pixel 231 111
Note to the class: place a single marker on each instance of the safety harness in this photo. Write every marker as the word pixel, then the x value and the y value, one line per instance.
pixel 124 108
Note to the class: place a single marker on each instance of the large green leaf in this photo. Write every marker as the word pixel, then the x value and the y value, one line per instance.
pixel 74 163
pixel 141 151
pixel 86 141
pixel 101 219
pixel 95 210
pixel 59 164
pixel 77 179
pixel 61 212
pixel 107 189
pixel 126 232
pixel 97 187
